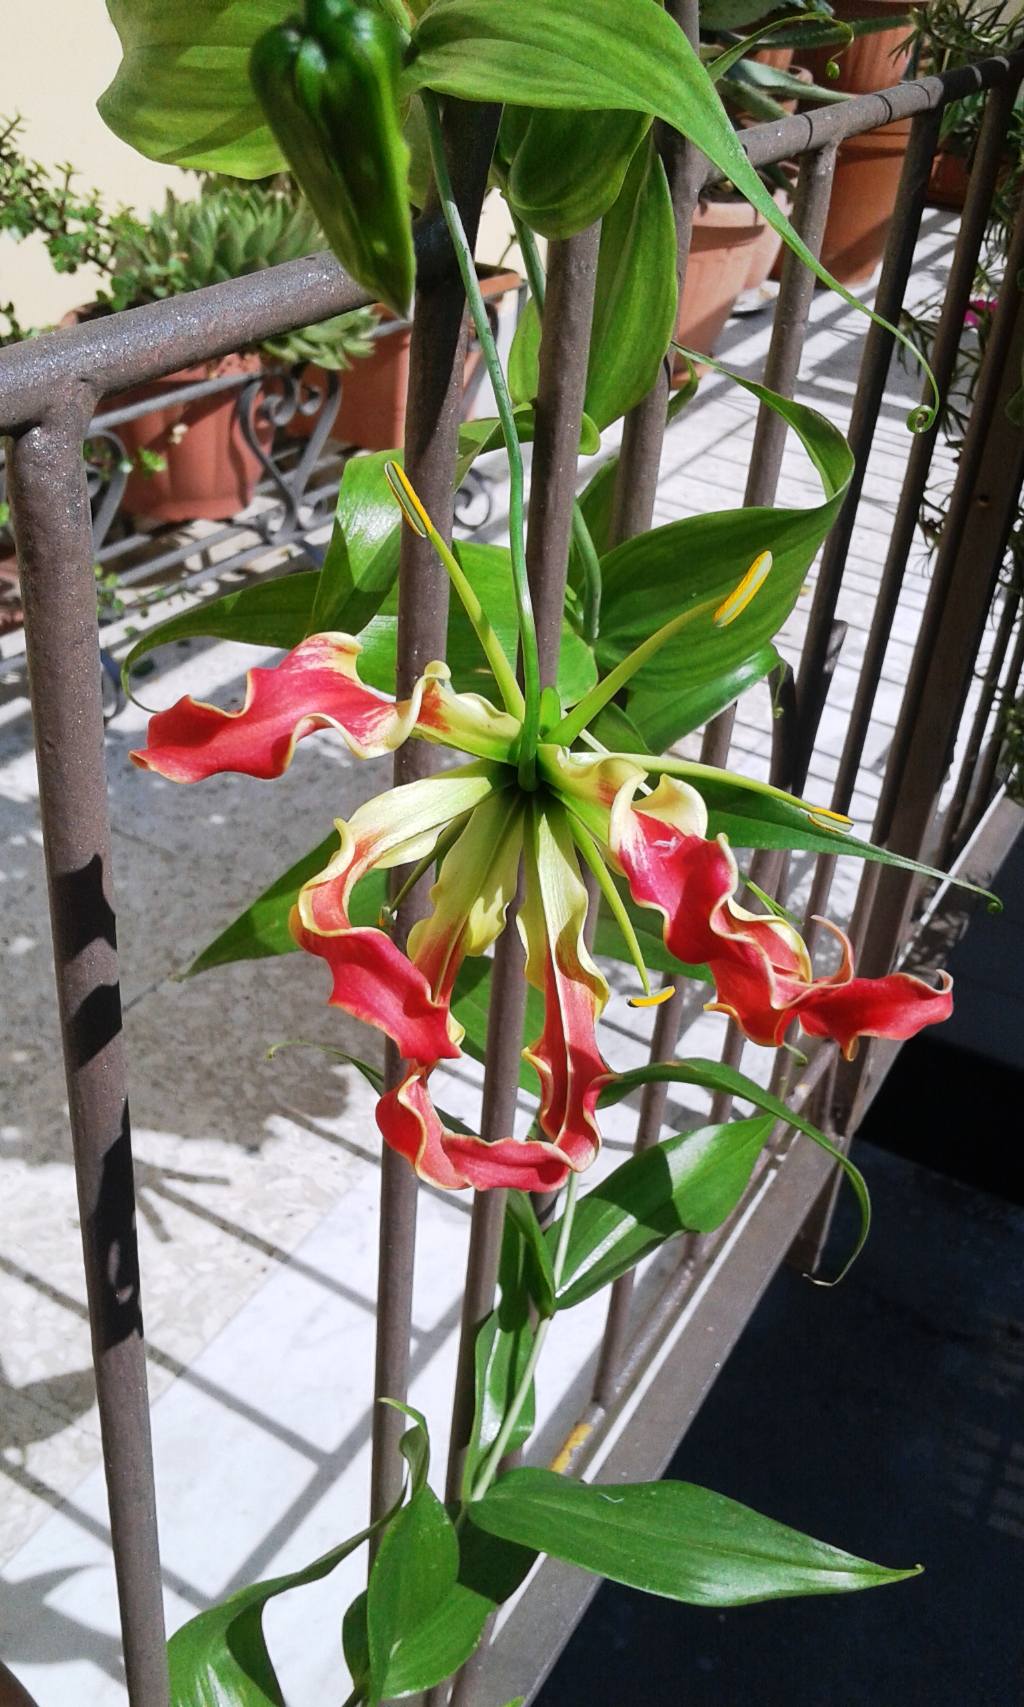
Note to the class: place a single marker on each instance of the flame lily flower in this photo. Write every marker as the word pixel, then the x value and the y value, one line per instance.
pixel 612 813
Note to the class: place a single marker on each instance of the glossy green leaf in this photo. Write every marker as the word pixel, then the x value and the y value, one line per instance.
pixel 272 612
pixel 690 1183
pixel 717 1076
pixel 524 357
pixel 566 54
pixel 649 928
pixel 670 1538
pixel 471 1005
pixel 636 298
pixel 361 565
pixel 182 93
pixel 415 1570
pixel 220 1658
pixel 647 580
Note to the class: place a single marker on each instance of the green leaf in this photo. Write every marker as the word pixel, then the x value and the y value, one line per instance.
pixel 717 1076
pixel 690 1183
pixel 647 580
pixel 361 565
pixel 524 357
pixel 670 1538
pixel 220 1658
pixel 272 612
pixel 567 168
pixel 262 930
pixel 182 93
pixel 636 298
pixel 568 54
pixel 415 1570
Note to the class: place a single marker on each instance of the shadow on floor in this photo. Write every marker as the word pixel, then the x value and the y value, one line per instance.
pixel 887 1417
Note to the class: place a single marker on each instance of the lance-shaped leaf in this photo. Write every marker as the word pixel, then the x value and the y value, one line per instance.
pixel 220 1657
pixel 647 580
pixel 471 1005
pixel 504 1342
pixel 690 1183
pixel 670 1538
pixel 717 1076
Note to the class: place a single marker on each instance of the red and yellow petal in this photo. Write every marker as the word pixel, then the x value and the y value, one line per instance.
pixel 371 978
pixel 410 1124
pixel 898 1006
pixel 565 1056
pixel 475 886
pixel 316 686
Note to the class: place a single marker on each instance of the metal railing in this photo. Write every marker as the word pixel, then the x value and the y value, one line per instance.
pixel 663 1346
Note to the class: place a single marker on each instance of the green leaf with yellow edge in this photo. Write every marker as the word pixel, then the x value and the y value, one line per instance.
pixel 670 1538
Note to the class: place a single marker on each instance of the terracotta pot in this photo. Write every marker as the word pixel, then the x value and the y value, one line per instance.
pixel 779 58
pixel 725 235
pixel 948 181
pixel 863 198
pixel 870 62
pixel 210 473
pixel 373 390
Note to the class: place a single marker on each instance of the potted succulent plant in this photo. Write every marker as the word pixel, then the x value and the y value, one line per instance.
pixel 189 460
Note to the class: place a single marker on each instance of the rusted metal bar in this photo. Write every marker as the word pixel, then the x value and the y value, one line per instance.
pixel 989 765
pixel 981 512
pixel 564 351
pixel 874 368
pixel 50 505
pixel 643 433
pixel 955 823
pixel 431 434
pixel 984 170
pixel 12 1693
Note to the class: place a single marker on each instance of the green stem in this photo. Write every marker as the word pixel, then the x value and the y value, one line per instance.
pixel 531 256
pixel 605 690
pixel 492 1462
pixel 506 415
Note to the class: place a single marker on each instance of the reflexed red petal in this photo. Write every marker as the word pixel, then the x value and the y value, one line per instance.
pixel 410 1124
pixel 898 1006
pixel 315 687
pixel 374 981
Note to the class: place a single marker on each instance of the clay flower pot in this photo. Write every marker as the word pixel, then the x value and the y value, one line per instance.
pixel 210 472
pixel 867 178
pixel 948 180
pixel 722 250
pixel 767 250
pixel 870 62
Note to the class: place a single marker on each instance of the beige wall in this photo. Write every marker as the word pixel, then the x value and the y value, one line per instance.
pixel 57 57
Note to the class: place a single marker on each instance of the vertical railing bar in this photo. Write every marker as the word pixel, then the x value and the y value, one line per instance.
pixel 981 513
pixel 986 165
pixel 635 492
pixel 796 293
pixel 789 327
pixel 431 435
pixel 874 368
pixel 52 523
pixel 564 353
pixel 643 433
pixel 955 815
pixel 990 760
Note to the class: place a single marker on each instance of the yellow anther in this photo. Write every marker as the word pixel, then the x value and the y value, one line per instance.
pixel 826 812
pixel 740 597
pixel 408 502
pixel 654 1001
pixel 561 1461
